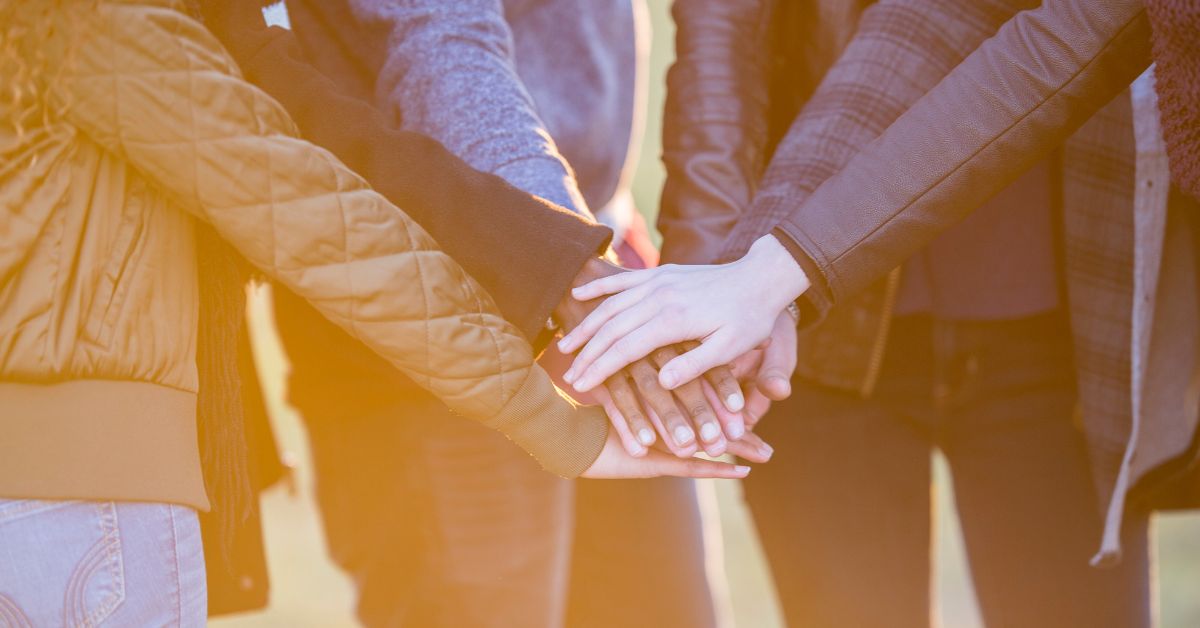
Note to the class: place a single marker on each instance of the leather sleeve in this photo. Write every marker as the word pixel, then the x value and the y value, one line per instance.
pixel 715 124
pixel 476 217
pixel 900 50
pixel 154 87
pixel 1010 102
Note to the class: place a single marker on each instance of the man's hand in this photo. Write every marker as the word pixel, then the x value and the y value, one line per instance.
pixel 616 463
pixel 766 371
pixel 709 407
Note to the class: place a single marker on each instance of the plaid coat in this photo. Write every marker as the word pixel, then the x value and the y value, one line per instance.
pixel 1129 264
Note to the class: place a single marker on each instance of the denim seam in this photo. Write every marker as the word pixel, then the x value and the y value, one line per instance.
pixel 178 580
pixel 110 527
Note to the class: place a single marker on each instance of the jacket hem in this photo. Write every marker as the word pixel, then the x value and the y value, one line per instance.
pixel 100 439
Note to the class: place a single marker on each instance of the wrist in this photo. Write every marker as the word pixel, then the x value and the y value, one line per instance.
pixel 593 269
pixel 768 257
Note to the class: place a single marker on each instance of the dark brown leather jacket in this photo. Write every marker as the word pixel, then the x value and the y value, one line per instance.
pixel 743 71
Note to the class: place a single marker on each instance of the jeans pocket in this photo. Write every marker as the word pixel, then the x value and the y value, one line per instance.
pixel 64 565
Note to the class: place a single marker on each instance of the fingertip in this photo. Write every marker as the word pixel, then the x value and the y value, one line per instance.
pixel 645 436
pixel 742 470
pixel 735 402
pixel 683 435
pixel 736 429
pixel 668 378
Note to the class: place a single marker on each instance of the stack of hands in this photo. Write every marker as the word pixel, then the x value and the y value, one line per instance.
pixel 684 359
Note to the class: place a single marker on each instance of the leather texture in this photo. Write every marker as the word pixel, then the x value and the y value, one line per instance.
pixel 715 125
pixel 141 124
pixel 1004 108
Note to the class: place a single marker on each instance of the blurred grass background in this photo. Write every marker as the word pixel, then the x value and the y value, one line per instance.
pixel 307 590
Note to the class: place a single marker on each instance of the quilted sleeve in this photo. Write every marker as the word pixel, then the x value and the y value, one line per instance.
pixel 153 86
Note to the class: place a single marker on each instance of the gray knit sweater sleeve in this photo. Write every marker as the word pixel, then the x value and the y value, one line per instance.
pixel 450 74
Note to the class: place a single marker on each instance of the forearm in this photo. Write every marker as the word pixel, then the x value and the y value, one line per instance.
pixel 475 217
pixel 715 123
pixel 997 113
pixel 901 50
pixel 449 73
pixel 229 155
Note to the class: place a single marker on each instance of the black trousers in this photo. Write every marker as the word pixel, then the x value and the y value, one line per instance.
pixel 844 507
pixel 442 522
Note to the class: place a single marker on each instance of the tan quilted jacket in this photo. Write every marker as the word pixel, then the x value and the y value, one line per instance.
pixel 132 125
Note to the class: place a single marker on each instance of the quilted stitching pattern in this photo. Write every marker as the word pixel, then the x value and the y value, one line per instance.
pixel 152 86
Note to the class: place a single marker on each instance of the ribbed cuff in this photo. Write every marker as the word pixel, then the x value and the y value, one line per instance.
pixel 564 438
pixel 570 242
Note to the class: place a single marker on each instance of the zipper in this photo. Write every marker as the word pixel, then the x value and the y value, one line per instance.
pixel 875 364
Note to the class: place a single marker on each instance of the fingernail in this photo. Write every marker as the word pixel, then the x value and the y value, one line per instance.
pixel 563 343
pixel 668 379
pixel 645 437
pixel 742 470
pixel 780 381
pixel 577 293
pixel 767 450
pixel 736 431
pixel 683 435
pixel 709 432
pixel 735 402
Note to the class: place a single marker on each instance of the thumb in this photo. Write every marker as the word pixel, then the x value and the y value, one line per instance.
pixel 775 376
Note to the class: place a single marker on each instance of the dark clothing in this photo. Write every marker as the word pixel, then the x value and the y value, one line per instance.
pixel 438 521
pixel 998 263
pixel 444 567
pixel 1175 40
pixel 911 130
pixel 843 509
pixel 470 532
pixel 523 250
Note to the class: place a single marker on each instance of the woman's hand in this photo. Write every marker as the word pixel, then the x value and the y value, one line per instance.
pixel 730 308
pixel 616 463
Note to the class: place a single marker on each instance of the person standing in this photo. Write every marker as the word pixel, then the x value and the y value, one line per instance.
pixel 519 89
pixel 143 178
pixel 971 345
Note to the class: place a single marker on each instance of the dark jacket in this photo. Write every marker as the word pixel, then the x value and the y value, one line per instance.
pixel 935 106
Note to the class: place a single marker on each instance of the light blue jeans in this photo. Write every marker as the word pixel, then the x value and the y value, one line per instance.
pixel 79 563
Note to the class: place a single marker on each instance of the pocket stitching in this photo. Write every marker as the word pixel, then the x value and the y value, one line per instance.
pixel 114 559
